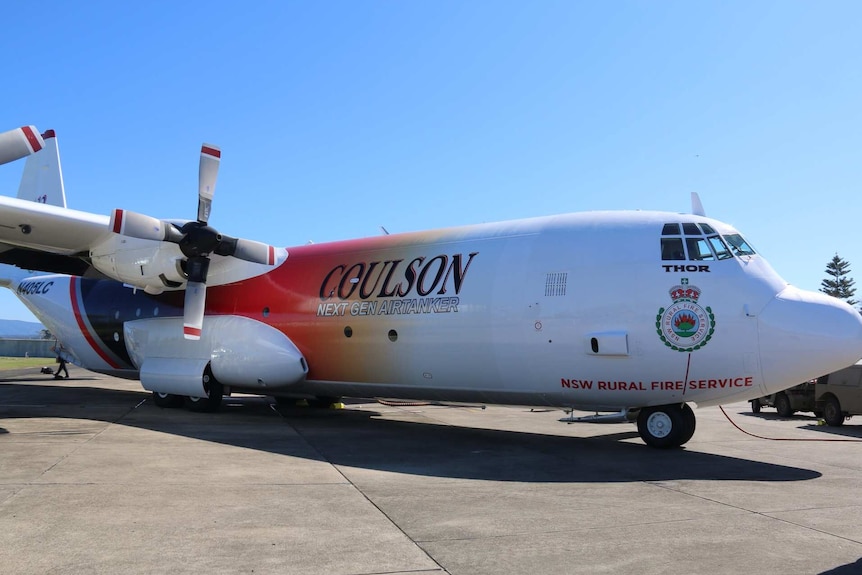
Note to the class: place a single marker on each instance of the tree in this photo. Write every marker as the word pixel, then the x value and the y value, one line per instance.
pixel 839 285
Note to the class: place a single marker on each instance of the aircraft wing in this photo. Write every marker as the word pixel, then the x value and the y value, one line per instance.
pixel 49 238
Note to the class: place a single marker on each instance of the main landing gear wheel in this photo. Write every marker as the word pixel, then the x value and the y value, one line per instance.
pixel 755 406
pixel 212 401
pixel 665 426
pixel 167 399
pixel 690 423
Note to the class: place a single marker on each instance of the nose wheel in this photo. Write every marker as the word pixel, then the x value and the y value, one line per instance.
pixel 666 426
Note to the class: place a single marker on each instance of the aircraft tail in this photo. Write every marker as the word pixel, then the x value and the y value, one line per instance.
pixel 42 180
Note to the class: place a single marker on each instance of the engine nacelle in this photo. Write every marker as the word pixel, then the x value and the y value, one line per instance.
pixel 241 352
pixel 151 265
pixel 174 375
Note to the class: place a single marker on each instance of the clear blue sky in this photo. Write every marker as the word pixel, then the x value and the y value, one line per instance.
pixel 337 117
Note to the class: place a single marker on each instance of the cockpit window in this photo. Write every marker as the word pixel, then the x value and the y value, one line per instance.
pixel 698 249
pixel 720 249
pixel 690 229
pixel 739 245
pixel 701 242
pixel 671 249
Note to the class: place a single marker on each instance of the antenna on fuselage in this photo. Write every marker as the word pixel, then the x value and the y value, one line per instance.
pixel 696 206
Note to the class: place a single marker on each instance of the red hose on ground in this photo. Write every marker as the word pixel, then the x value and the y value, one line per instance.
pixel 733 423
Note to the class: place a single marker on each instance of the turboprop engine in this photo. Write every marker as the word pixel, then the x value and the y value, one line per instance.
pixel 154 267
pixel 195 242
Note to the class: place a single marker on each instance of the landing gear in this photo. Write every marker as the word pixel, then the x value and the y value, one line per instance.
pixel 212 401
pixel 665 426
pixel 690 423
pixel 167 400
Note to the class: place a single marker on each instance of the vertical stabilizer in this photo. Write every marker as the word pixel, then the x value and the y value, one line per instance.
pixel 43 179
pixel 696 206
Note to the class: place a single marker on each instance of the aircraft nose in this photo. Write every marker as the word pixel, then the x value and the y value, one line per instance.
pixel 806 334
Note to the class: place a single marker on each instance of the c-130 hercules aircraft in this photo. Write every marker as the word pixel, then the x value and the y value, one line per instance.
pixel 635 312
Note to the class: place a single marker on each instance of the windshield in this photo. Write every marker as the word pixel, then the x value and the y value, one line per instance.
pixel 739 246
pixel 698 242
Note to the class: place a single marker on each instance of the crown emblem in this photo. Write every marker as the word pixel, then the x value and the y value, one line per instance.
pixel 685 326
pixel 684 293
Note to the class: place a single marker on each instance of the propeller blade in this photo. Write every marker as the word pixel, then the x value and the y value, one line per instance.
pixel 248 250
pixel 253 251
pixel 20 142
pixel 207 175
pixel 137 225
pixel 193 309
pixel 196 296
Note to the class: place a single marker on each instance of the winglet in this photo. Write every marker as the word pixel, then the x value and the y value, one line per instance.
pixel 42 180
pixel 696 206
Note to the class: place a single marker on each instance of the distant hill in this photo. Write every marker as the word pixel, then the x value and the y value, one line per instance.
pixel 14 328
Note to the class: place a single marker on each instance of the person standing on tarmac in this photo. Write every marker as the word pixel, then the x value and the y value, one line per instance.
pixel 61 363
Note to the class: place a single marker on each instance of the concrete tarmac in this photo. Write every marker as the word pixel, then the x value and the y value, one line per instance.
pixel 95 479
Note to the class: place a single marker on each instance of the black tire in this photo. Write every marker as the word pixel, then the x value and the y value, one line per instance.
pixel 663 426
pixel 782 405
pixel 690 423
pixel 755 406
pixel 832 413
pixel 167 400
pixel 212 401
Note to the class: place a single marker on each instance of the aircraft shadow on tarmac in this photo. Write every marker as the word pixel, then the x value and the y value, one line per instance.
pixel 811 423
pixel 854 568
pixel 849 431
pixel 361 438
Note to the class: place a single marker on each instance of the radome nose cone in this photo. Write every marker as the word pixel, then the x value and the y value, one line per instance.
pixel 807 334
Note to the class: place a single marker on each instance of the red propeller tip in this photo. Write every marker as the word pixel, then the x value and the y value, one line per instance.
pixel 192 332
pixel 214 152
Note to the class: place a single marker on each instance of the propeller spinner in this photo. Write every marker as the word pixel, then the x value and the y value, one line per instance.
pixel 196 241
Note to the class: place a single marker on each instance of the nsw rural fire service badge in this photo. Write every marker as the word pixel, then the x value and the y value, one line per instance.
pixel 685 325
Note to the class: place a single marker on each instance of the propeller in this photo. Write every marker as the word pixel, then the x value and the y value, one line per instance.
pixel 20 142
pixel 196 240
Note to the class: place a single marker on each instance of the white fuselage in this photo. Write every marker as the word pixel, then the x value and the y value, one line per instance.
pixel 578 310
